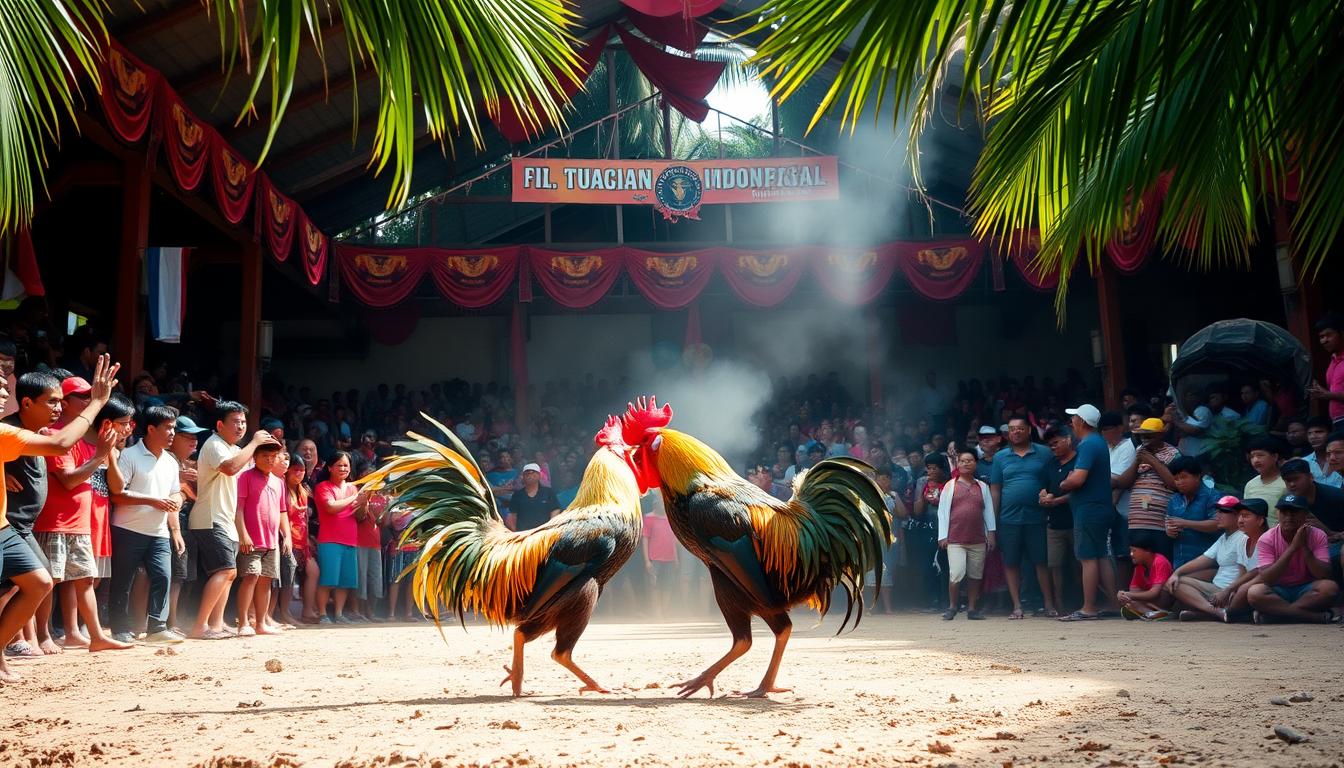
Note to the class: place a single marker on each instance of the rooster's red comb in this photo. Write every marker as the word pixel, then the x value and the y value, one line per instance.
pixel 610 434
pixel 641 415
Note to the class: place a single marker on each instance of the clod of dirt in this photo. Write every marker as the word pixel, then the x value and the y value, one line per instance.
pixel 417 714
pixel 245 705
pixel 95 750
pixel 1122 693
pixel 1005 736
pixel 939 748
pixel 1006 668
pixel 1279 701
pixel 274 665
pixel 1290 736
pixel 136 708
pixel 652 686
pixel 508 725
pixel 1091 746
pixel 165 652
pixel 1300 696
pixel 953 699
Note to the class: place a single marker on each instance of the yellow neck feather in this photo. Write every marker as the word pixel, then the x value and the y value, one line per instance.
pixel 681 458
pixel 607 479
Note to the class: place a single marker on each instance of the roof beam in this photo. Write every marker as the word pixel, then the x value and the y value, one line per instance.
pixel 211 76
pixel 147 25
pixel 309 98
pixel 342 173
pixel 285 157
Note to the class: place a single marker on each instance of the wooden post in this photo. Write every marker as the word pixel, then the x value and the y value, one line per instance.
pixel 249 319
pixel 1112 335
pixel 1299 303
pixel 774 125
pixel 129 335
pixel 615 135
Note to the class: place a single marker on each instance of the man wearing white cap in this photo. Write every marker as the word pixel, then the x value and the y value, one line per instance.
pixel 1089 489
pixel 533 504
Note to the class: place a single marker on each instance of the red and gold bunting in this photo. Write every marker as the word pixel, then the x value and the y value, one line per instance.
pixel 939 270
pixel 576 280
pixel 381 277
pixel 671 280
pixel 313 249
pixel 854 275
pixel 685 8
pixel 276 218
pixel 764 278
pixel 1131 247
pixel 234 178
pixel 186 140
pixel 515 127
pixel 129 88
pixel 1022 249
pixel 475 279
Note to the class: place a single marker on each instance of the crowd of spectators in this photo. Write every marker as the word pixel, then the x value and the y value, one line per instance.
pixel 161 512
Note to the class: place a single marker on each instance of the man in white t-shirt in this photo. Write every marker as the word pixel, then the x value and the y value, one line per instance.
pixel 213 519
pixel 146 496
pixel 1204 586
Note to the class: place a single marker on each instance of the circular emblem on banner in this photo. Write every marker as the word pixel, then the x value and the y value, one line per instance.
pixel 677 192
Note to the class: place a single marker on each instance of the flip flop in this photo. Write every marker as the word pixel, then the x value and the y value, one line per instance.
pixel 216 634
pixel 1015 615
pixel 1078 616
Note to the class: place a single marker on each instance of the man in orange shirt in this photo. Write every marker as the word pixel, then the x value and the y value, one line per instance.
pixel 18 564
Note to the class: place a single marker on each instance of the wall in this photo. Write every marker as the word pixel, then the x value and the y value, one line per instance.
pixel 572 346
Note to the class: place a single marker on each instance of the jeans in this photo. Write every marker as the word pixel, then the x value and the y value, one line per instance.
pixel 129 551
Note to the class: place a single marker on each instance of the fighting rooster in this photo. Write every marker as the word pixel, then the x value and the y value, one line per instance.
pixel 537 580
pixel 764 555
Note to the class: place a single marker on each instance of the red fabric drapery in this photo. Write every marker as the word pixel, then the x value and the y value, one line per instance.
pixel 940 270
pixel 313 249
pixel 1022 250
pixel 763 278
pixel 671 280
pixel 381 277
pixel 129 88
pixel 854 275
pixel 186 140
pixel 234 178
pixel 475 279
pixel 1129 250
pixel 276 218
pixel 680 32
pixel 24 265
pixel 393 325
pixel 576 280
pixel 511 123
pixel 685 82
pixel 690 8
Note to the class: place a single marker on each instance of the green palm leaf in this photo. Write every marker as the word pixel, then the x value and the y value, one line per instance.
pixel 1088 103
pixel 44 46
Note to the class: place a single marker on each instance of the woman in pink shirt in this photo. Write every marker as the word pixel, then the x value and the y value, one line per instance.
pixel 965 530
pixel 337 538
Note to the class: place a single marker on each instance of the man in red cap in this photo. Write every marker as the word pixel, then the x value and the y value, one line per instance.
pixel 18 564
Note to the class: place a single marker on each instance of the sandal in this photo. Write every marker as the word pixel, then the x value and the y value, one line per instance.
pixel 22 649
pixel 1078 616
pixel 1015 615
pixel 1051 613
pixel 949 614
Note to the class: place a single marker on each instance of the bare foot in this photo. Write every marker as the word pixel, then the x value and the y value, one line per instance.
pixel 49 647
pixel 265 630
pixel 761 693
pixel 75 641
pixel 108 644
pixel 703 680
pixel 594 688
pixel 7 676
pixel 248 632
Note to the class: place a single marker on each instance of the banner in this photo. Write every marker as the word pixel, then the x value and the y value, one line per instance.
pixel 763 278
pixel 940 270
pixel 855 276
pixel 381 277
pixel 671 280
pixel 683 81
pixel 675 187
pixel 167 268
pixel 1130 249
pixel 313 248
pixel 1022 251
pixel 275 219
pixel 576 280
pixel 475 279
pixel 233 177
pixel 186 140
pixel 128 94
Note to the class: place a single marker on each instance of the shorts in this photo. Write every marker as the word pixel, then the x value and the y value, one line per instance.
pixel 1058 545
pixel 184 567
pixel 1294 593
pixel 1018 542
pixel 1090 539
pixel 213 549
pixel 338 565
pixel 260 562
pixel 288 566
pixel 965 561
pixel 16 555
pixel 70 555
pixel 397 564
pixel 370 573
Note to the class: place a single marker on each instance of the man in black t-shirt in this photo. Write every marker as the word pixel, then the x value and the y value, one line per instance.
pixel 1059 516
pixel 533 504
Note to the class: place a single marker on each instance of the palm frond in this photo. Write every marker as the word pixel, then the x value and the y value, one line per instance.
pixel 44 46
pixel 433 60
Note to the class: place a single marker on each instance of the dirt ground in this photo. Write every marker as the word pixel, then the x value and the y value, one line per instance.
pixel 906 689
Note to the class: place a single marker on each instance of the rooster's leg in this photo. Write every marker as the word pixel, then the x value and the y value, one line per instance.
pixel 782 627
pixel 567 632
pixel 738 618
pixel 516 671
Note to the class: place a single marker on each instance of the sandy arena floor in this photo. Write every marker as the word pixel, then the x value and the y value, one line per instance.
pixel 907 689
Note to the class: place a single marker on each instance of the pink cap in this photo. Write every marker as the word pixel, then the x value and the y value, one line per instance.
pixel 75 386
pixel 1229 503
